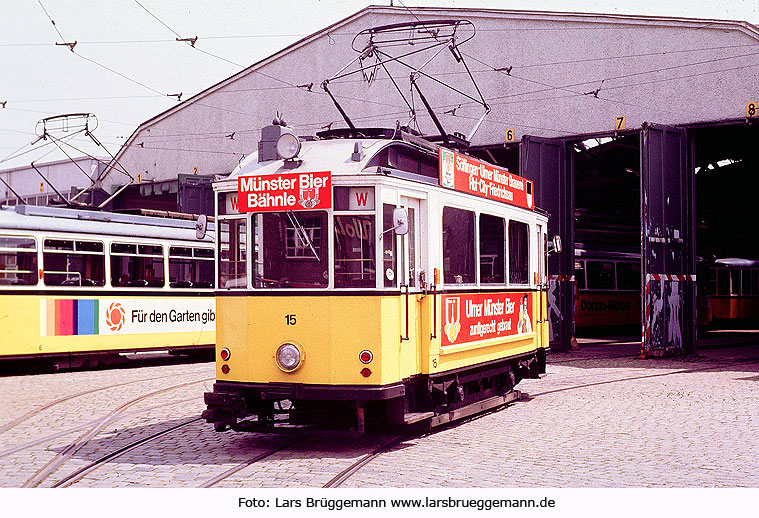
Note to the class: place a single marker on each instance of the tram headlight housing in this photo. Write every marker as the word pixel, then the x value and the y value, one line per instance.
pixel 289 357
pixel 288 146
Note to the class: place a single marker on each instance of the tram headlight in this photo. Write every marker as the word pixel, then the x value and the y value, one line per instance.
pixel 288 146
pixel 288 357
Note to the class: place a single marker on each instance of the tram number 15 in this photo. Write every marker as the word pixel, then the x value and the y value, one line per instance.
pixel 290 319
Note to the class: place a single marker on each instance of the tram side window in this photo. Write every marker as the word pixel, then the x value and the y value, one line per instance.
pixel 388 245
pixel 600 275
pixel 354 252
pixel 519 253
pixel 69 262
pixel 232 253
pixel 136 266
pixel 746 282
pixel 735 282
pixel 18 260
pixel 723 281
pixel 190 267
pixel 492 254
pixel 628 276
pixel 458 246
pixel 580 274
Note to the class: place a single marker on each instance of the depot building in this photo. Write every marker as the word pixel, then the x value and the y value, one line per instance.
pixel 635 130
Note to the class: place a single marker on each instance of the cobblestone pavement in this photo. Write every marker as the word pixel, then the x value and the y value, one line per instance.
pixel 602 417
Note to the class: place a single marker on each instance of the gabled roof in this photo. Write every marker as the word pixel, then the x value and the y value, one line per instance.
pixel 575 17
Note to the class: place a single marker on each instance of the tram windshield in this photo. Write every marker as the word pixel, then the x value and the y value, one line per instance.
pixel 290 250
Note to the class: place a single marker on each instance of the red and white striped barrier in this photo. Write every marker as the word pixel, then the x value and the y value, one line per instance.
pixel 561 278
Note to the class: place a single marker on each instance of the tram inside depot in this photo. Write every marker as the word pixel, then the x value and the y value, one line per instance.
pixel 607 234
pixel 608 228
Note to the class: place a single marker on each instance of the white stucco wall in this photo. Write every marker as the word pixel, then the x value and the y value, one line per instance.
pixel 669 71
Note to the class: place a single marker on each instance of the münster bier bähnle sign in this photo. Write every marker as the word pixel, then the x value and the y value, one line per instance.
pixel 290 191
pixel 469 175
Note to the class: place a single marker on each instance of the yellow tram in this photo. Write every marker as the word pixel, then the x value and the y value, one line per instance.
pixel 371 276
pixel 78 286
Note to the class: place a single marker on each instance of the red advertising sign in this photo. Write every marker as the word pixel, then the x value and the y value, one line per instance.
pixel 289 191
pixel 472 317
pixel 472 176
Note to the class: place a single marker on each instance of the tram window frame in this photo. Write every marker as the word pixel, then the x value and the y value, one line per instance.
pixel 598 283
pixel 735 282
pixel 580 274
pixel 295 246
pixel 85 256
pixel 389 247
pixel 459 254
pixel 630 281
pixel 189 263
pixel 519 263
pixel 495 242
pixel 10 250
pixel 745 282
pixel 140 259
pixel 367 267
pixel 723 281
pixel 273 268
pixel 233 260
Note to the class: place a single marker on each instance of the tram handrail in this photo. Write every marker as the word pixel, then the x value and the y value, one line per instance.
pixel 404 338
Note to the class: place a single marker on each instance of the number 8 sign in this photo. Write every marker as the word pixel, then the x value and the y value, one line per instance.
pixel 752 109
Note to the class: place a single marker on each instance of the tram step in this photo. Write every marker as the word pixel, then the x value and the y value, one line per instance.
pixel 475 408
pixel 415 417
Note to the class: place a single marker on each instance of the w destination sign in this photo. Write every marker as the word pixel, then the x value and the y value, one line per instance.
pixel 472 176
pixel 290 191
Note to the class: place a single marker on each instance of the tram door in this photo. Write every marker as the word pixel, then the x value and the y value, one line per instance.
pixel 410 251
pixel 409 268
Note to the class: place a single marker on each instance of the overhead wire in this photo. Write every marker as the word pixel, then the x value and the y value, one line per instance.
pixel 551 87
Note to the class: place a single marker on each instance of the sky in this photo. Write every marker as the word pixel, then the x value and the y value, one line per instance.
pixel 127 66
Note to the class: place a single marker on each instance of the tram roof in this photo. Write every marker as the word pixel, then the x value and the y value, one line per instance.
pixel 56 219
pixel 317 155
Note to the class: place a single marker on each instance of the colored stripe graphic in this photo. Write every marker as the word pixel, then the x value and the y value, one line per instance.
pixel 70 317
pixel 86 311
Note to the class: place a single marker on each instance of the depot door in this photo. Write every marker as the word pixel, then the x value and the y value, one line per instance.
pixel 547 163
pixel 668 242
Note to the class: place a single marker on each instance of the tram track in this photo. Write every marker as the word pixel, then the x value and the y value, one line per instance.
pixel 74 477
pixel 68 431
pixel 259 457
pixel 63 456
pixel 351 470
pixel 8 426
pixel 635 378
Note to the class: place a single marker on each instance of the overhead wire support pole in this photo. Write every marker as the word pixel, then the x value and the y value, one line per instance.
pixel 92 182
pixel 478 101
pixel 51 185
pixel 20 199
pixel 337 105
pixel 439 126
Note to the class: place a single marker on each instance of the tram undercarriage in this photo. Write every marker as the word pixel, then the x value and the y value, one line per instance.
pixel 421 402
